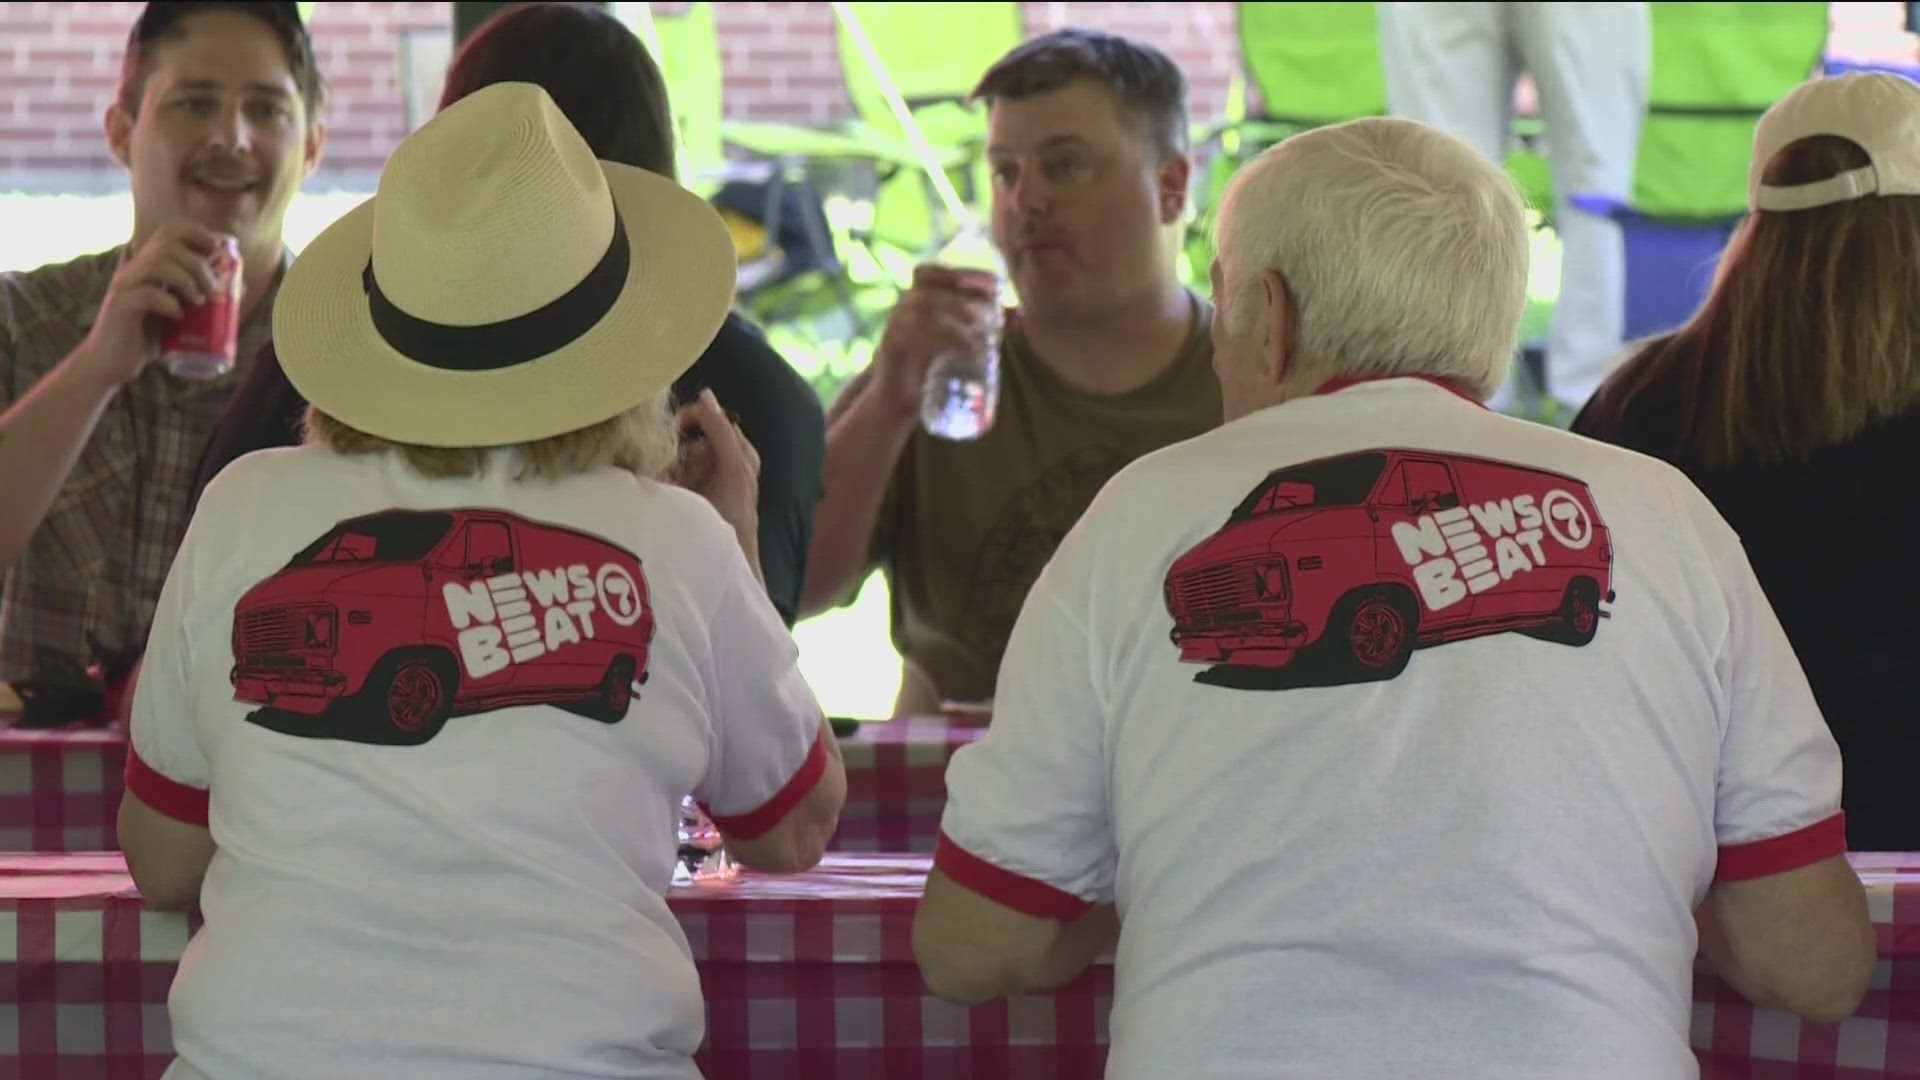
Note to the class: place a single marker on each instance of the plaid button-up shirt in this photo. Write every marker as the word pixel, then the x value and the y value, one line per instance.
pixel 86 586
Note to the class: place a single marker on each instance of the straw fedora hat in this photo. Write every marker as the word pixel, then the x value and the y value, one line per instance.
pixel 502 285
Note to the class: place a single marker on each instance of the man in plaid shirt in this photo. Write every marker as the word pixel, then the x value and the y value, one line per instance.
pixel 218 121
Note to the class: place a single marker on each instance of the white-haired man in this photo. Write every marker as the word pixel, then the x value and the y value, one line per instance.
pixel 1398 737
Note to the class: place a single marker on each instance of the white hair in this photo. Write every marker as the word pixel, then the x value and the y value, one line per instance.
pixel 1404 249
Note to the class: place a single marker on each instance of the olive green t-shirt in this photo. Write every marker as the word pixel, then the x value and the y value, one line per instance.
pixel 967 526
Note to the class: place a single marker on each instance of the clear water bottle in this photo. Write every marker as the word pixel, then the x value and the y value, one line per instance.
pixel 962 391
pixel 703 851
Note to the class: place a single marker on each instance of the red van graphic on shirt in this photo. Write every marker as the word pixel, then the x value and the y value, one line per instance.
pixel 1335 570
pixel 388 624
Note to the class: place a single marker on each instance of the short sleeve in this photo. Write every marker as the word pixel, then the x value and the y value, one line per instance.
pixel 14 376
pixel 166 767
pixel 767 746
pixel 1027 822
pixel 1777 800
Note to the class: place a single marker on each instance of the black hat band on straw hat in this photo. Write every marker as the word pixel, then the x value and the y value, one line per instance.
pixel 510 342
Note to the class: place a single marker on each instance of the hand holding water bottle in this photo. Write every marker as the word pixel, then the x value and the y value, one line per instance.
pixel 961 390
pixel 947 313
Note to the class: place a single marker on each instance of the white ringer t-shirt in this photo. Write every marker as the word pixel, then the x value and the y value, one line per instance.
pixel 1407 736
pixel 441 731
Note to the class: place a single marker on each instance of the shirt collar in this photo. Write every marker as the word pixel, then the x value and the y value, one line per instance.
pixel 1343 382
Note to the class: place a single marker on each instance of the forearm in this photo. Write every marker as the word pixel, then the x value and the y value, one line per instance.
pixel 800 839
pixel 1073 950
pixel 750 546
pixel 1800 940
pixel 166 857
pixel 972 950
pixel 1718 953
pixel 864 443
pixel 41 439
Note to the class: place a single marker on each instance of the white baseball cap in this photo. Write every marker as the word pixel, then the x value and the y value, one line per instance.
pixel 1878 111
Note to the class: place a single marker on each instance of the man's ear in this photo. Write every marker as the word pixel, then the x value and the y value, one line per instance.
pixel 119 126
pixel 316 145
pixel 1283 325
pixel 1175 174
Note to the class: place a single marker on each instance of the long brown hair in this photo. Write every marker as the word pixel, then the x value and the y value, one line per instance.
pixel 1811 331
pixel 595 69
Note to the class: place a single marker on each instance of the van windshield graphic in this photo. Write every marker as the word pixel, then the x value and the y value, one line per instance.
pixel 1342 481
pixel 393 537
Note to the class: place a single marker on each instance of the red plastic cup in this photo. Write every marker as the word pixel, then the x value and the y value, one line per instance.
pixel 201 343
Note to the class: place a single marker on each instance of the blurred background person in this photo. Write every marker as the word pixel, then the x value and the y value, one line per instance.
pixel 1454 66
pixel 1792 398
pixel 1108 358
pixel 217 120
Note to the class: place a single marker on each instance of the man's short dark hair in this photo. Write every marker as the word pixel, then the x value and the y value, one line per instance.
pixel 164 20
pixel 1146 81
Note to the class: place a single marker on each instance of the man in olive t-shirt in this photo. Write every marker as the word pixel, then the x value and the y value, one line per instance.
pixel 967 527
pixel 1108 358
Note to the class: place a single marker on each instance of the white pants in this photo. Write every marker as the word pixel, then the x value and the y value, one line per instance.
pixel 1454 65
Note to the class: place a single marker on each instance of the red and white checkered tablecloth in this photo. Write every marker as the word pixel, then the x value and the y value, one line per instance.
pixel 897 782
pixel 805 976
pixel 813 976
pixel 60 789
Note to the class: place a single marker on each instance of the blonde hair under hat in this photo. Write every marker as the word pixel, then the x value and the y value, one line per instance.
pixel 502 285
pixel 1878 111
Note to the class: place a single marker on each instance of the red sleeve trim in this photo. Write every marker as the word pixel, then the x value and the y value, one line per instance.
pixel 1002 886
pixel 754 824
pixel 181 802
pixel 1779 854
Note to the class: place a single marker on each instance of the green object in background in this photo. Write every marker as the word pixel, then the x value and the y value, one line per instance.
pixel 690 62
pixel 1313 64
pixel 306 12
pixel 1527 164
pixel 934 54
pixel 1716 68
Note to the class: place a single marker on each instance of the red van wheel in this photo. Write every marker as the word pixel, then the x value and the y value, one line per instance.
pixel 1577 619
pixel 618 694
pixel 1584 615
pixel 416 696
pixel 1579 613
pixel 1378 635
pixel 615 693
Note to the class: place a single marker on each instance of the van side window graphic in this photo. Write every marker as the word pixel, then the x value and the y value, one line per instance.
pixel 388 625
pixel 1334 571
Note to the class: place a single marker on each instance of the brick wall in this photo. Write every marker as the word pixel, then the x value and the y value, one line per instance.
pixel 59 63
